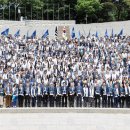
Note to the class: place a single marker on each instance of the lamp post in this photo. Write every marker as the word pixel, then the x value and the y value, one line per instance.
pixel 86 18
pixel 16 5
pixel 10 4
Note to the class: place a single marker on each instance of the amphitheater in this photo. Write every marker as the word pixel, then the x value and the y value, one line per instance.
pixel 64 118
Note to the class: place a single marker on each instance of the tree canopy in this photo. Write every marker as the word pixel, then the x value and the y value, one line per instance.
pixel 79 10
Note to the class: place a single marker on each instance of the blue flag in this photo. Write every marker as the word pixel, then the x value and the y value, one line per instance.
pixel 45 34
pixel 112 33
pixel 106 33
pixel 73 33
pixel 96 34
pixel 121 32
pixel 17 33
pixel 5 32
pixel 33 34
pixel 79 35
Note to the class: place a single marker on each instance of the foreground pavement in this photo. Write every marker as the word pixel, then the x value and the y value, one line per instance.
pixel 64 121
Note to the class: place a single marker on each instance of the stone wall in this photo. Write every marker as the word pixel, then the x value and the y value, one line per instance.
pixel 42 26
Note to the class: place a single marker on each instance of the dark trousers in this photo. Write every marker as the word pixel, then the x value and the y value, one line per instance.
pixel 91 101
pixel 121 101
pixel 27 101
pixel 104 101
pixel 58 101
pixel 97 100
pixel 51 99
pixel 64 100
pixel 33 101
pixel 79 101
pixel 127 98
pixel 39 100
pixel 86 99
pixel 45 100
pixel 116 102
pixel 20 100
pixel 110 101
pixel 71 100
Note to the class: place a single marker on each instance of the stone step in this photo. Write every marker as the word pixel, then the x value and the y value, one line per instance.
pixel 66 110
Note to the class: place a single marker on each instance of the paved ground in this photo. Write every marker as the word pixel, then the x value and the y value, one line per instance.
pixel 64 121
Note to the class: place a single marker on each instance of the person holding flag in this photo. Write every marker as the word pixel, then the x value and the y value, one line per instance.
pixel 46 34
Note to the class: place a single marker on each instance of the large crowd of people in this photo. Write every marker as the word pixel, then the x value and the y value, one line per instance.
pixel 85 72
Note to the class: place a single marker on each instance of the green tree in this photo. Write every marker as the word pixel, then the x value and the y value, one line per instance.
pixel 89 7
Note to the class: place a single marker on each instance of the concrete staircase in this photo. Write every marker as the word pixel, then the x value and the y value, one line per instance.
pixel 60 32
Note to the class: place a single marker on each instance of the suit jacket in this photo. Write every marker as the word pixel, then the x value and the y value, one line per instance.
pixel 52 90
pixel 71 90
pixel 79 90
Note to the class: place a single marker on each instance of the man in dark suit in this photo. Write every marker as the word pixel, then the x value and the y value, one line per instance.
pixel 45 95
pixel 64 90
pixel 33 94
pixel 127 94
pixel 116 95
pixel 39 93
pixel 97 93
pixel 27 94
pixel 71 94
pixel 58 95
pixel 20 94
pixel 104 92
pixel 79 94
pixel 52 92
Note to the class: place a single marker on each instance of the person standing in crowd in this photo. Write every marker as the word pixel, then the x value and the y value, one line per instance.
pixel 127 94
pixel 8 95
pixel 110 94
pixel 79 94
pixel 116 96
pixel 20 95
pixel 52 92
pixel 97 94
pixel 58 95
pixel 64 90
pixel 1 95
pixel 86 94
pixel 71 92
pixel 14 95
pixel 27 94
pixel 121 96
pixel 39 93
pixel 104 93
pixel 33 95
pixel 45 95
